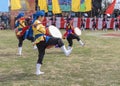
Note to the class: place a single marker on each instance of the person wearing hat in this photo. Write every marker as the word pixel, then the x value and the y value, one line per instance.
pixel 43 41
pixel 22 32
pixel 70 34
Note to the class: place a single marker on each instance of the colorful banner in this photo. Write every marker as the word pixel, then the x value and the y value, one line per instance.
pixel 65 5
pixel 55 7
pixel 82 6
pixel 88 4
pixel 49 5
pixel 75 6
pixel 43 5
pixel 15 4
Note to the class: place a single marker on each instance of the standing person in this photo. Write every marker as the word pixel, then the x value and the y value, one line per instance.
pixel 119 24
pixel 105 20
pixel 22 32
pixel 116 20
pixel 53 20
pixel 69 19
pixel 94 22
pixel 70 35
pixel 83 23
pixel 4 19
pixel 43 41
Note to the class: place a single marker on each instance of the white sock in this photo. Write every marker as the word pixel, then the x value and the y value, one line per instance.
pixel 20 50
pixel 81 43
pixel 38 72
pixel 34 47
pixel 66 52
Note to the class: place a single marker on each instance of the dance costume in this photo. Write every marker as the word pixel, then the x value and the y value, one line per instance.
pixel 23 32
pixel 70 35
pixel 42 41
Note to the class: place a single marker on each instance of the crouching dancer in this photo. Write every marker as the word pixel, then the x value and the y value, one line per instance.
pixel 43 41
pixel 70 35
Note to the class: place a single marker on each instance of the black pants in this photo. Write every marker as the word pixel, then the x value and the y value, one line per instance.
pixel 21 39
pixel 42 46
pixel 82 25
pixel 116 25
pixel 71 37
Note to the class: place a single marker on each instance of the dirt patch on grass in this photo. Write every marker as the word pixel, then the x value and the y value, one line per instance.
pixel 112 35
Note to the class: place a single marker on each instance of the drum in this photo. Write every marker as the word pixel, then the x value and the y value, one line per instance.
pixel 54 31
pixel 77 31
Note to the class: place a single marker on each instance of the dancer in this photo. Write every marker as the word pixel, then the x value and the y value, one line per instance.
pixel 42 40
pixel 70 35
pixel 23 31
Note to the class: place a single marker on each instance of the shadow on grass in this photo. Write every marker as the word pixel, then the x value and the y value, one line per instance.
pixel 7 54
pixel 18 77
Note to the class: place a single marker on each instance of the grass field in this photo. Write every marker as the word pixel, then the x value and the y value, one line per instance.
pixel 95 64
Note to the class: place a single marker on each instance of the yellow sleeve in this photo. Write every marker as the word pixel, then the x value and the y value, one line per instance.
pixel 41 28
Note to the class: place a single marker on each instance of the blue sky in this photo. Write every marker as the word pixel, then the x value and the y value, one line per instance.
pixel 4 5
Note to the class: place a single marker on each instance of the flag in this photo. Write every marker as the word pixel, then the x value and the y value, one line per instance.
pixel 110 8
pixel 82 6
pixel 88 4
pixel 15 4
pixel 43 5
pixel 75 5
pixel 55 7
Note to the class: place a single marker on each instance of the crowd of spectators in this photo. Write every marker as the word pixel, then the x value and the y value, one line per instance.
pixel 4 20
pixel 5 16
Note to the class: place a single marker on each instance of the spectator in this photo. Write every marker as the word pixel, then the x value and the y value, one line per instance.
pixel 53 20
pixel 4 19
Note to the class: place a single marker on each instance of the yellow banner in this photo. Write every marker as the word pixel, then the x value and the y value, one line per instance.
pixel 75 5
pixel 55 7
pixel 15 4
pixel 88 4
pixel 43 5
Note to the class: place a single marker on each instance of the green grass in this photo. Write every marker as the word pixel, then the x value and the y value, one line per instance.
pixel 95 64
